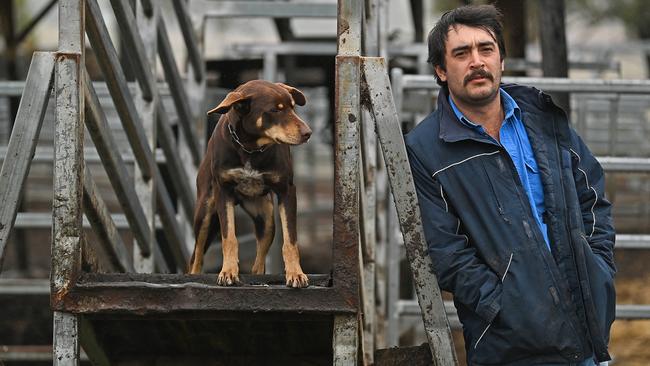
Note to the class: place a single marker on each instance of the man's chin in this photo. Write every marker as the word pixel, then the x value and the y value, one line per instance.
pixel 482 96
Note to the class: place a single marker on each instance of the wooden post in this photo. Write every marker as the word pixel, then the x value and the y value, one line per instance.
pixel 514 30
pixel 68 173
pixel 554 49
pixel 147 108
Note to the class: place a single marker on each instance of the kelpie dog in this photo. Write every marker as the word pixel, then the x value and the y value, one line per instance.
pixel 247 159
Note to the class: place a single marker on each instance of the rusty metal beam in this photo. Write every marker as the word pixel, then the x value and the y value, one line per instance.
pixel 346 178
pixel 380 102
pixel 68 149
pixel 158 294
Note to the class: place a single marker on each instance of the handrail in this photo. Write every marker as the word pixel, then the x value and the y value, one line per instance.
pixel 612 86
pixel 116 169
pixel 99 38
pixel 191 42
pixel 117 85
pixel 177 90
pixel 276 9
pixel 22 142
pixel 104 226
pixel 134 46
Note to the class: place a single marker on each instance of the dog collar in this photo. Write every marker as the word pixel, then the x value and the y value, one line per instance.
pixel 235 138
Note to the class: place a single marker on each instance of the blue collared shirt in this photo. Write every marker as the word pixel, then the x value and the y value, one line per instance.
pixel 515 140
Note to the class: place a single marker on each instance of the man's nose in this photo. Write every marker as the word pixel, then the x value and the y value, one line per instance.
pixel 476 61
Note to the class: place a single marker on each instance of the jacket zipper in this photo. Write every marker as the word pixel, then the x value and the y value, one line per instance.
pixel 566 227
pixel 494 193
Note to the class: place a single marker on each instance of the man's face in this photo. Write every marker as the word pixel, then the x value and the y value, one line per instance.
pixel 473 65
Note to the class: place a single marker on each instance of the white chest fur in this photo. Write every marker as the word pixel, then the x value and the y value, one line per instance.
pixel 248 181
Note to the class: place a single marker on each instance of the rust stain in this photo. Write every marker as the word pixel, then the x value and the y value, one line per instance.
pixel 343 27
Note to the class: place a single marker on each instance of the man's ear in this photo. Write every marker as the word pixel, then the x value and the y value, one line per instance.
pixel 503 65
pixel 442 74
pixel 296 94
pixel 233 99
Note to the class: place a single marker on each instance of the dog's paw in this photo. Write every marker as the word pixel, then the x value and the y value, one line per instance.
pixel 297 280
pixel 228 278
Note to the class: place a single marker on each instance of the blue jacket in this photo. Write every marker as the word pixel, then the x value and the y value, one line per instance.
pixel 519 303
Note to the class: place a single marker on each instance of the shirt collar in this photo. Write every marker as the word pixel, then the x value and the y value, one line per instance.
pixel 509 105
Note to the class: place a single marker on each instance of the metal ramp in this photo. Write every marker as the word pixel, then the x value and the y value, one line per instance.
pixel 125 304
pixel 157 316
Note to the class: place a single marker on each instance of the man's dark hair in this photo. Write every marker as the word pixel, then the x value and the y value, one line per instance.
pixel 486 17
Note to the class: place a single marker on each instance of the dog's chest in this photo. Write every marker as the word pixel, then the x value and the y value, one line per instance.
pixel 248 181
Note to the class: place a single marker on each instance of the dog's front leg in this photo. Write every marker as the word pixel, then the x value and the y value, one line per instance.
pixel 287 206
pixel 229 274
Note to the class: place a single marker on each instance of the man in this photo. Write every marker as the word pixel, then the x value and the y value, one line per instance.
pixel 513 207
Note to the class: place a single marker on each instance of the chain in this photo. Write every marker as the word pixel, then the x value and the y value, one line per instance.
pixel 235 138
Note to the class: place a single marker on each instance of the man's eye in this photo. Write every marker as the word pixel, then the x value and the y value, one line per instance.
pixel 274 110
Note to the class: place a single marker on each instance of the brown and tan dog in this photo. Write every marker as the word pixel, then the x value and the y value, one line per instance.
pixel 247 160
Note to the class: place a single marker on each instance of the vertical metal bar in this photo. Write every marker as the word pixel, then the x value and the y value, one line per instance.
pixel 66 339
pixel 346 176
pixel 270 71
pixel 349 27
pixel 582 115
pixel 68 170
pixel 371 28
pixel 22 142
pixel 613 124
pixel 147 108
pixel 345 340
pixel 345 272
pixel 68 149
pixel 383 28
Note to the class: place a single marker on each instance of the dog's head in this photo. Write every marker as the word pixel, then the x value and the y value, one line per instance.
pixel 265 111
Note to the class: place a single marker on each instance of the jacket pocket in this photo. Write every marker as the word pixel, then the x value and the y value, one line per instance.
pixel 530 318
pixel 601 286
pixel 503 277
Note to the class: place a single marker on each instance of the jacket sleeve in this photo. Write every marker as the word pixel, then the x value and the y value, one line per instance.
pixel 455 261
pixel 596 209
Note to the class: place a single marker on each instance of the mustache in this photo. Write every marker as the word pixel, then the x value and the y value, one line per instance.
pixel 480 73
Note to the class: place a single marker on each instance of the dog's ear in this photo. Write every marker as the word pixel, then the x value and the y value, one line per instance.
pixel 233 99
pixel 296 94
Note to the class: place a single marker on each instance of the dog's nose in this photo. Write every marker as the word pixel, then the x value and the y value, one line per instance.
pixel 305 133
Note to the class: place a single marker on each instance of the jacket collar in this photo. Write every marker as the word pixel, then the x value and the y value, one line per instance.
pixel 451 128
